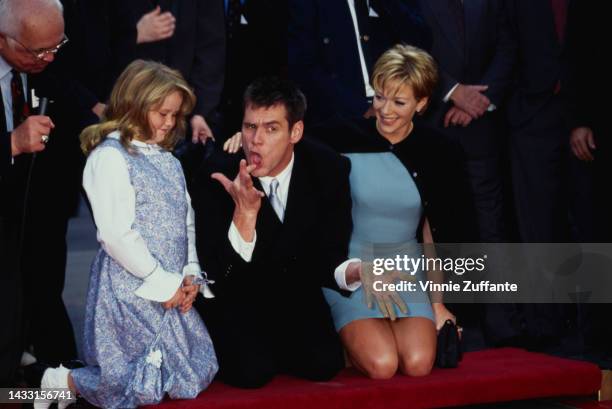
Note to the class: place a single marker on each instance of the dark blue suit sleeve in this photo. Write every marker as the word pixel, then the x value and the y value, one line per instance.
pixel 209 65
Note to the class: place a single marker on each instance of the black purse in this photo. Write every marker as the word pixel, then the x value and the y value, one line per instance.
pixel 449 352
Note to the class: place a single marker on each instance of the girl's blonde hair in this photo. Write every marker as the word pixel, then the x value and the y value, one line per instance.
pixel 141 88
pixel 406 65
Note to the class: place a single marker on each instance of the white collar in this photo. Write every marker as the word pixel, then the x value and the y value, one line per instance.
pixel 139 144
pixel 283 177
pixel 5 68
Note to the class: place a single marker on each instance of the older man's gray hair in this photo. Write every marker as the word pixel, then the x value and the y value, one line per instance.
pixel 14 12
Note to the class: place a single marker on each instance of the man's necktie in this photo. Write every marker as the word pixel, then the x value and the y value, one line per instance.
pixel 21 110
pixel 559 8
pixel 275 200
pixel 234 11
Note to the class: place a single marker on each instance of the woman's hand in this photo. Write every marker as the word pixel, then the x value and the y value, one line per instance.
pixel 385 298
pixel 233 144
pixel 441 315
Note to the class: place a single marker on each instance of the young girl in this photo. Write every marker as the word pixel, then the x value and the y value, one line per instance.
pixel 142 339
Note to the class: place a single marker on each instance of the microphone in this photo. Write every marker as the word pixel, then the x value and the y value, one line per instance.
pixel 42 110
pixel 44 104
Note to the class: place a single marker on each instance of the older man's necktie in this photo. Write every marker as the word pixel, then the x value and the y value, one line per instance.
pixel 21 110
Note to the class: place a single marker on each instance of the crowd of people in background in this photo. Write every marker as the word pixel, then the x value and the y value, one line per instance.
pixel 374 110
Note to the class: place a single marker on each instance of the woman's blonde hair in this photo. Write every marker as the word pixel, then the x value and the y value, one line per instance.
pixel 406 65
pixel 140 88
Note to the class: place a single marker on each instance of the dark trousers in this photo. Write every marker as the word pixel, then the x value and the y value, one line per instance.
pixel 11 343
pixel 49 205
pixel 481 143
pixel 539 153
pixel 47 325
pixel 254 347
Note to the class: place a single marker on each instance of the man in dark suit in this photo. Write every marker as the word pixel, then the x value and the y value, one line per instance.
pixel 333 46
pixel 34 193
pixel 475 54
pixel 537 113
pixel 270 239
pixel 187 35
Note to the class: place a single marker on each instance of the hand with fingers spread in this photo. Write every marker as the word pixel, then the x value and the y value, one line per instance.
pixel 582 143
pixel 247 199
pixel 233 144
pixel 31 135
pixel 470 98
pixel 155 26
pixel 379 292
pixel 201 132
pixel 190 290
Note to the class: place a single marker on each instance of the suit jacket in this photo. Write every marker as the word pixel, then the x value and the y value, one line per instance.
pixel 197 48
pixel 542 59
pixel 323 53
pixel 291 260
pixel 486 57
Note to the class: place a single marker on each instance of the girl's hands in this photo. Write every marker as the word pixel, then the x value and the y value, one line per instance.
pixel 190 291
pixel 177 299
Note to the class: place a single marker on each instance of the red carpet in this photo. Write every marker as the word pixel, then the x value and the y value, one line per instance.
pixel 485 376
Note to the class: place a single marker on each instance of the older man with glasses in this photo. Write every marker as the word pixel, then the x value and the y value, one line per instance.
pixel 37 192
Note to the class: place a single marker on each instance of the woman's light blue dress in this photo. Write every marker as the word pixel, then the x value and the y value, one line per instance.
pixel 386 215
pixel 135 349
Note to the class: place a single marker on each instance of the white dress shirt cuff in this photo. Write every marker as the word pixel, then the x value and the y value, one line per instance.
pixel 340 276
pixel 160 285
pixel 241 246
pixel 447 96
pixel 192 269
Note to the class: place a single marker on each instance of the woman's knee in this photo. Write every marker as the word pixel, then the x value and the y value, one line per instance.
pixel 417 363
pixel 380 366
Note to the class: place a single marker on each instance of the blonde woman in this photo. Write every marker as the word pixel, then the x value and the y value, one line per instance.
pixel 142 339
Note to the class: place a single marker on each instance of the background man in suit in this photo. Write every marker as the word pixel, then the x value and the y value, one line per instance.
pixel 475 53
pixel 187 35
pixel 31 33
pixel 333 46
pixel 270 256
pixel 537 113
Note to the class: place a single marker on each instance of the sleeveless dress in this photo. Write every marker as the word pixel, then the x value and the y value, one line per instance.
pixel 136 350
pixel 386 215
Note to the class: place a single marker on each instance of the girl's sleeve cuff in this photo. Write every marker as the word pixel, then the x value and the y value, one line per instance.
pixel 159 286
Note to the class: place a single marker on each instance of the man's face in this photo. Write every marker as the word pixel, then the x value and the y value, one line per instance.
pixel 267 140
pixel 19 51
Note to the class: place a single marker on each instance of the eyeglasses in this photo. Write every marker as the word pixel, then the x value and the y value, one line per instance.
pixel 41 53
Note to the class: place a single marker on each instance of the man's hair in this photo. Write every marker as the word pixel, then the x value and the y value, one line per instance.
pixel 270 91
pixel 13 13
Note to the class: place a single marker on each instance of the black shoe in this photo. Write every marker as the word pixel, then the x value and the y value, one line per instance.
pixel 33 373
pixel 74 364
